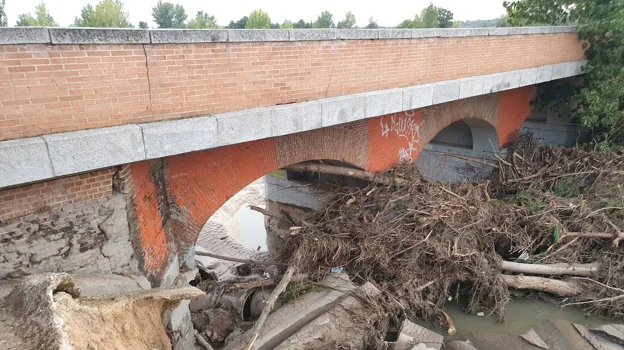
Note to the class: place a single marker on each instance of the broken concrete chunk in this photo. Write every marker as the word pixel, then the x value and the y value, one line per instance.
pixel 534 339
pixel 48 312
pixel 336 328
pixel 411 334
pixel 612 332
pixel 291 317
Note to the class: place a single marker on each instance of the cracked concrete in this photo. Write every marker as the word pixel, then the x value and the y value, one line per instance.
pixel 85 238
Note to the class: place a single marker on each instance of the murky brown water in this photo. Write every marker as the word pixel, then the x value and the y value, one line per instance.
pixel 521 316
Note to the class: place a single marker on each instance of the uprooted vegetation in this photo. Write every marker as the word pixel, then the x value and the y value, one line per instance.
pixel 422 242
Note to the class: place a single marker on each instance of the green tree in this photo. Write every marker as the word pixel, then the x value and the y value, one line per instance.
pixel 42 18
pixel 445 18
pixel 324 20
pixel 287 25
pixel 502 21
pixel 372 24
pixel 301 24
pixel 3 17
pixel 107 13
pixel 258 20
pixel 240 24
pixel 143 25
pixel 429 17
pixel 599 99
pixel 348 21
pixel 407 24
pixel 202 21
pixel 168 15
pixel 457 24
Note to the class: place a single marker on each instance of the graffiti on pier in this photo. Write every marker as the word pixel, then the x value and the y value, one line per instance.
pixel 403 125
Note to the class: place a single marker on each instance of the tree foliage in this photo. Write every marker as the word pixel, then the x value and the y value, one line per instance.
pixel 3 17
pixel 301 24
pixel 348 21
pixel 258 19
pixel 599 99
pixel 143 25
pixel 372 24
pixel 41 18
pixel 287 25
pixel 202 20
pixel 430 17
pixel 107 13
pixel 324 20
pixel 240 24
pixel 445 18
pixel 168 15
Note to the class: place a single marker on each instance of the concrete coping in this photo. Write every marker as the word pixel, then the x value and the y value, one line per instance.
pixel 80 36
pixel 48 156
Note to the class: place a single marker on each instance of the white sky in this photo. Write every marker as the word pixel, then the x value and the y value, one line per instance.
pixel 386 12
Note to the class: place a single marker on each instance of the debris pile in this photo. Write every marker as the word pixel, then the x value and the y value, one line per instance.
pixel 547 221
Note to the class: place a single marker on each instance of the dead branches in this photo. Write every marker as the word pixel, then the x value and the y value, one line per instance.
pixel 557 269
pixel 552 286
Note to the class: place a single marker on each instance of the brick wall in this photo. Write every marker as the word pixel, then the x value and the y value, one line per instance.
pixel 48 195
pixel 55 88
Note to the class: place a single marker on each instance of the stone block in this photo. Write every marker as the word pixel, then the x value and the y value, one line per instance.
pixel 173 270
pixel 384 102
pixel 99 36
pixel 395 33
pixel 78 151
pixel 493 83
pixel 312 34
pixel 183 36
pixel 357 34
pixel 528 77
pixel 24 35
pixel 471 87
pixel 417 97
pixel 558 71
pixel 23 161
pixel 454 32
pixel 425 33
pixel 290 119
pixel 544 74
pixel 499 31
pixel 339 110
pixel 511 80
pixel 179 136
pixel 246 35
pixel 446 91
pixel 573 68
pixel 243 126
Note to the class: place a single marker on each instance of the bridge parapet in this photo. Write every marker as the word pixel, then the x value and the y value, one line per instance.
pixel 220 87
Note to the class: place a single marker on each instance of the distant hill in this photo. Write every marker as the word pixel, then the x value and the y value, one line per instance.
pixel 481 23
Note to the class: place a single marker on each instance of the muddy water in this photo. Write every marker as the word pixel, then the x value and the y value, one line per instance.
pixel 521 316
pixel 237 221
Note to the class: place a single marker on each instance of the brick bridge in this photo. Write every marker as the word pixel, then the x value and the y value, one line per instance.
pixel 117 145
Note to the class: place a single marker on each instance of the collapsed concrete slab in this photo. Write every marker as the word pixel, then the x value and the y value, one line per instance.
pixel 335 327
pixel 412 334
pixel 48 311
pixel 293 316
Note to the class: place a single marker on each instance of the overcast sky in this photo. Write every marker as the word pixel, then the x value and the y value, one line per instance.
pixel 386 12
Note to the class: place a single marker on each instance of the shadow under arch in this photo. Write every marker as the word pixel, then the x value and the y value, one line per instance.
pixel 468 138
